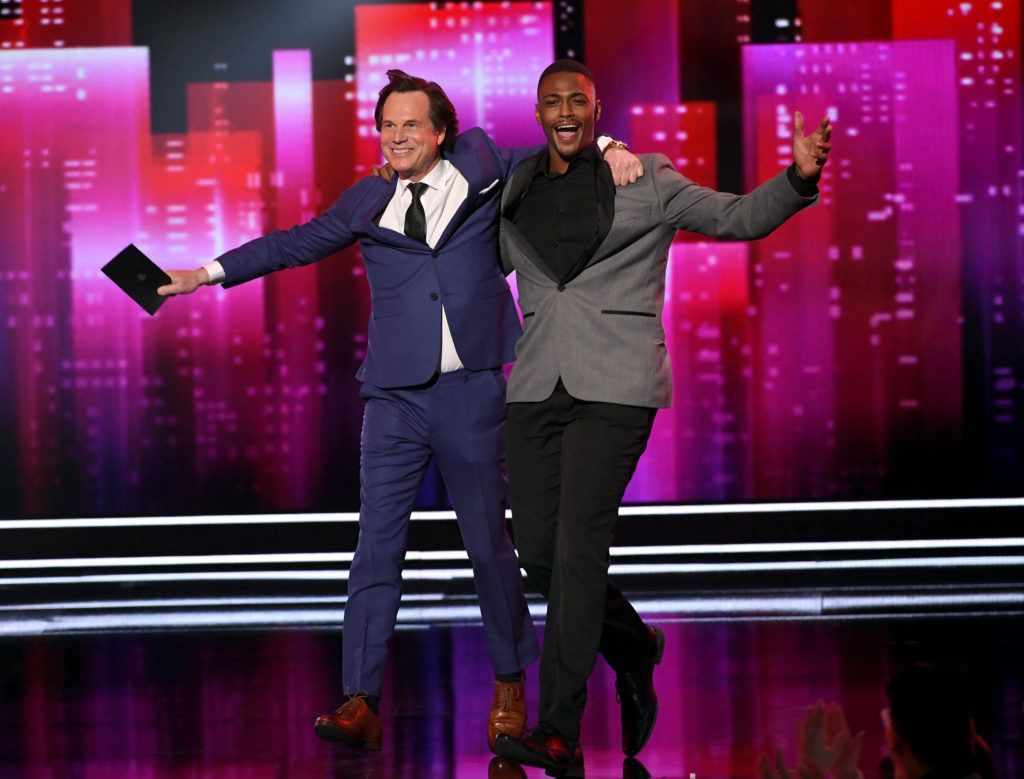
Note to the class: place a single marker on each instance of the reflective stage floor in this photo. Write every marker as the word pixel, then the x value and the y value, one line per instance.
pixel 241 705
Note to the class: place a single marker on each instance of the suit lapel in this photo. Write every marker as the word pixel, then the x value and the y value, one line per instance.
pixel 478 173
pixel 605 215
pixel 375 207
pixel 467 162
pixel 518 185
pixel 515 191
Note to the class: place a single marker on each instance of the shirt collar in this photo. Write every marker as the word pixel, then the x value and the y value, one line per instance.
pixel 436 179
pixel 588 154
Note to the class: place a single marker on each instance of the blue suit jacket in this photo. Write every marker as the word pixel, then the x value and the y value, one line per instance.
pixel 408 280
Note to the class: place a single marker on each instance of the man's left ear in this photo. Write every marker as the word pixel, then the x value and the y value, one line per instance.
pixel 597 110
pixel 441 135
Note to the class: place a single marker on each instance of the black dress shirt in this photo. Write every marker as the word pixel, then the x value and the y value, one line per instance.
pixel 557 214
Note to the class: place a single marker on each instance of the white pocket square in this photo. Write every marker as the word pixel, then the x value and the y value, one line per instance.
pixel 489 187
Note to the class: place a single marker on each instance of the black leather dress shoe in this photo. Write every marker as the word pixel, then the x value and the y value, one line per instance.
pixel 634 769
pixel 544 747
pixel 635 691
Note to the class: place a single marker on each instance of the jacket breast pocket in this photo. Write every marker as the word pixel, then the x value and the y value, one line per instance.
pixel 487 194
pixel 627 312
pixel 388 306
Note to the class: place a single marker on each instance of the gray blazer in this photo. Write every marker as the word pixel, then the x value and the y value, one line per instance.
pixel 601 331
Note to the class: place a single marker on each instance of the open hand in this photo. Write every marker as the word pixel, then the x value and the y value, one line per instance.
pixel 826 743
pixel 810 152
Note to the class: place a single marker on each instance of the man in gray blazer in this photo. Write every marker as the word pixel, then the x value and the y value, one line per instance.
pixel 591 371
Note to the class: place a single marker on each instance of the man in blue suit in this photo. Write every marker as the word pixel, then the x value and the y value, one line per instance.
pixel 443 323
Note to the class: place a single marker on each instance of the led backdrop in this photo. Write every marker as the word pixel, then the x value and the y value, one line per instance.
pixel 871 348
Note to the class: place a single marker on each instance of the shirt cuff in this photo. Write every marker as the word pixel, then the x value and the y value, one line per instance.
pixel 803 187
pixel 216 271
pixel 603 141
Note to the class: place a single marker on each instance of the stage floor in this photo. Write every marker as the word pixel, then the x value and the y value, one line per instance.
pixel 241 705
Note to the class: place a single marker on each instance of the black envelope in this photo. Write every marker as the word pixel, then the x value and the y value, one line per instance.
pixel 138 276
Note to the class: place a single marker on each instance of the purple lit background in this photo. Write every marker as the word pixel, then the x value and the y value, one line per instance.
pixel 871 348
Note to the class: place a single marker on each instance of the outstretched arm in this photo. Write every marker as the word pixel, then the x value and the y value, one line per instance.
pixel 300 245
pixel 688 206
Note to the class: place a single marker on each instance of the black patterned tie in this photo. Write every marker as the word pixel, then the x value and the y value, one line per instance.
pixel 415 218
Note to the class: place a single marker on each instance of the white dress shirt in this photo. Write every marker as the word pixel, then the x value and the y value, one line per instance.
pixel 445 193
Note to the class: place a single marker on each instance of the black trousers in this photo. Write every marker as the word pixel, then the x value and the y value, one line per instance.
pixel 569 462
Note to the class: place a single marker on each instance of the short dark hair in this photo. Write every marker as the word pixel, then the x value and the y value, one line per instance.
pixel 930 708
pixel 442 112
pixel 565 66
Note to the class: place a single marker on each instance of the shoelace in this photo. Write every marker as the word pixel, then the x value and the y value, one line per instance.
pixel 631 685
pixel 350 707
pixel 509 693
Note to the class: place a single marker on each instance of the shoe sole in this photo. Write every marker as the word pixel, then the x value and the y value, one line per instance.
pixel 337 735
pixel 569 772
pixel 566 773
pixel 492 742
pixel 526 757
pixel 659 637
pixel 659 652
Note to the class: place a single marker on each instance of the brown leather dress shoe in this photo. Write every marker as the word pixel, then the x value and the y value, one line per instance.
pixel 354 724
pixel 500 768
pixel 508 711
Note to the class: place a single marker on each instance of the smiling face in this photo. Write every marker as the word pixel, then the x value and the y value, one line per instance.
pixel 567 109
pixel 409 140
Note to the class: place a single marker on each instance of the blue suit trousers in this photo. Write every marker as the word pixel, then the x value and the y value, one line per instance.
pixel 459 419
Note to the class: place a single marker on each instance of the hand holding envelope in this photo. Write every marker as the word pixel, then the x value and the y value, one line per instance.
pixel 138 276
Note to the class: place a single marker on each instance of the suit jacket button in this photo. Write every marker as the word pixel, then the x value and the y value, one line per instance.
pixel 561 287
pixel 433 296
pixel 435 254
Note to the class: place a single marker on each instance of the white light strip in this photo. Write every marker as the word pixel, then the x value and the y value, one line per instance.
pixel 838 505
pixel 625 511
pixel 818 546
pixel 451 574
pixel 302 558
pixel 218 559
pixel 192 576
pixel 818 565
pixel 440 574
pixel 225 519
pixel 183 603
pixel 705 604
pixel 848 602
pixel 212 602
pixel 685 608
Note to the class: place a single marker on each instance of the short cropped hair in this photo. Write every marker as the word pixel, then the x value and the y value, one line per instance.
pixel 442 112
pixel 565 66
